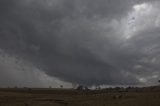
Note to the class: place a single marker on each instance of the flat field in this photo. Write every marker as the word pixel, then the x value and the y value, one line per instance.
pixel 64 97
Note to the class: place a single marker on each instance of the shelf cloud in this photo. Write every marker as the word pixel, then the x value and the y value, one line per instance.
pixel 91 42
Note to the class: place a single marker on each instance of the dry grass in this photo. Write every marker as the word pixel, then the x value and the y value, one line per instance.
pixel 78 98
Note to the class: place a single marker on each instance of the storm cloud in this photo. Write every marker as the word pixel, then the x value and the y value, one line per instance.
pixel 91 42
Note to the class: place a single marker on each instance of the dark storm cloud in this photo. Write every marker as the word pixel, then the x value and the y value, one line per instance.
pixel 77 41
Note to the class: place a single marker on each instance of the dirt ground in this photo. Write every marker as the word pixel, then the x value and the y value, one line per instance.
pixel 78 98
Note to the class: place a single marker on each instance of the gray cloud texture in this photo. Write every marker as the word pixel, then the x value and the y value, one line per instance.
pixel 91 42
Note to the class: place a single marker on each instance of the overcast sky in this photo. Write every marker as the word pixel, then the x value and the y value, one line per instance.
pixel 89 42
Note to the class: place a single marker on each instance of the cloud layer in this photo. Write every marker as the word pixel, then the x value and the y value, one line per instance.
pixel 91 42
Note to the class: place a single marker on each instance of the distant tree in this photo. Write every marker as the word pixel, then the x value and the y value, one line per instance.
pixel 80 87
pixel 98 88
pixel 50 86
pixel 86 88
pixel 117 88
pixel 61 86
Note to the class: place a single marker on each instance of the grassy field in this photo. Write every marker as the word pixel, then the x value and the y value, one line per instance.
pixel 56 97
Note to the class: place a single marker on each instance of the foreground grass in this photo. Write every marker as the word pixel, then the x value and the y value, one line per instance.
pixel 78 98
